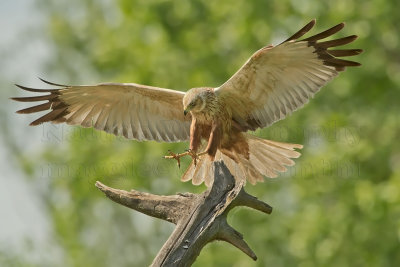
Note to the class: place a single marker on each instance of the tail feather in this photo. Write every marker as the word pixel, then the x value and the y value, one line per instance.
pixel 277 159
pixel 202 172
pixel 267 158
pixel 198 177
pixel 285 149
pixel 264 167
pixel 208 173
pixel 250 173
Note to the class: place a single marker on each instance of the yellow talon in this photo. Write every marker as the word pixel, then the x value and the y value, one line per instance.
pixel 189 152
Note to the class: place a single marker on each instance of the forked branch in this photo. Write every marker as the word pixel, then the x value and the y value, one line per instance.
pixel 199 218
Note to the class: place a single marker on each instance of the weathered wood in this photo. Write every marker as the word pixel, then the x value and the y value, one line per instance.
pixel 199 218
pixel 168 208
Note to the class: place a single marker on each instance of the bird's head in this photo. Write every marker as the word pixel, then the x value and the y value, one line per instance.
pixel 195 100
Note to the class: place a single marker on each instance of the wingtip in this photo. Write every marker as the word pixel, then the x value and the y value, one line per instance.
pixel 301 32
pixel 312 23
pixel 352 38
pixel 51 83
pixel 36 122
pixel 354 64
pixel 18 99
pixel 25 88
pixel 35 90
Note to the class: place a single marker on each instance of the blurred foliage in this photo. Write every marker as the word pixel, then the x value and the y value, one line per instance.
pixel 338 206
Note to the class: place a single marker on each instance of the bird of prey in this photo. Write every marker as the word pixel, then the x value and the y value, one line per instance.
pixel 274 82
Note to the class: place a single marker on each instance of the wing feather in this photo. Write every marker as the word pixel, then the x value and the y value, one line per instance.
pixel 135 111
pixel 278 80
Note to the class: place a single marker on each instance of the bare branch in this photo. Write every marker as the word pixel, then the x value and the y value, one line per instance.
pixel 245 199
pixel 228 234
pixel 199 218
pixel 169 208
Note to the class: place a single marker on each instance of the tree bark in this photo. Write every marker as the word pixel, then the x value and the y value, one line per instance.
pixel 199 218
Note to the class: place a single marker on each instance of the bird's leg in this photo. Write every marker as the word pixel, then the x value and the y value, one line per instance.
pixel 195 141
pixel 213 141
pixel 212 146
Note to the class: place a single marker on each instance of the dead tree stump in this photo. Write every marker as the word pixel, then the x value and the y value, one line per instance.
pixel 199 218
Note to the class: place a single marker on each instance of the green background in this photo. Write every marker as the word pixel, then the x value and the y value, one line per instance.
pixel 338 206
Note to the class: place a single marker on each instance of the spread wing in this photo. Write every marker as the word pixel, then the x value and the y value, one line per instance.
pixel 135 111
pixel 278 80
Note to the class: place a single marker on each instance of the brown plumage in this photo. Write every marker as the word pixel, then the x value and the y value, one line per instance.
pixel 273 83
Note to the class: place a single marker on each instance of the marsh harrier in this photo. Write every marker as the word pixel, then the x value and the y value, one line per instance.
pixel 274 82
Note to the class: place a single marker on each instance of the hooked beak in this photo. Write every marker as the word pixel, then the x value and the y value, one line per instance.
pixel 185 112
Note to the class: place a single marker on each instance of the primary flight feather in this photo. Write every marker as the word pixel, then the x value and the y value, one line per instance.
pixel 274 82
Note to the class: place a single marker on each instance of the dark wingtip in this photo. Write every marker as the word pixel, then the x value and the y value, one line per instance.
pixel 302 31
pixel 34 123
pixel 51 83
pixel 27 88
pixel 19 99
pixel 339 26
pixel 35 90
pixel 338 42
pixel 310 25
pixel 345 52
pixel 357 51
pixel 352 63
pixel 21 111
pixel 326 33
pixel 354 36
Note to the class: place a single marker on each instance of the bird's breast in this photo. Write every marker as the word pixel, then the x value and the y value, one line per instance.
pixel 211 117
pixel 206 118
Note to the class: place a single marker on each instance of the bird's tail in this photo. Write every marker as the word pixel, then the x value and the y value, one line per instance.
pixel 266 158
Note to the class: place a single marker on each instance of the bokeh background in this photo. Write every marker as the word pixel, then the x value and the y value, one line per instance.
pixel 338 206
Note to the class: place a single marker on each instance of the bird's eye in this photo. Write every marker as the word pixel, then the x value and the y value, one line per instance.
pixel 191 104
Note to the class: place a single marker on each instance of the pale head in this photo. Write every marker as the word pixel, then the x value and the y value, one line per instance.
pixel 197 99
